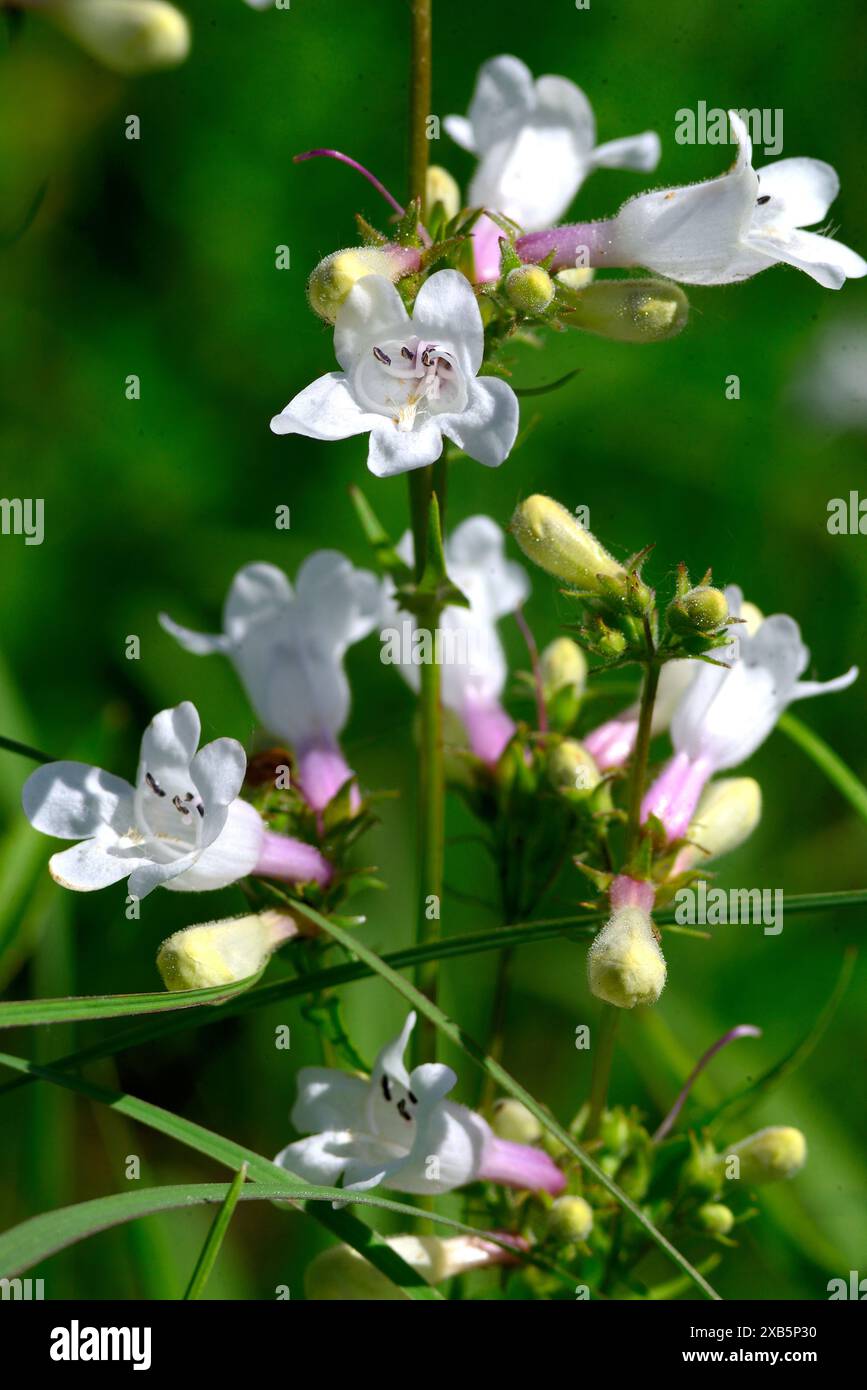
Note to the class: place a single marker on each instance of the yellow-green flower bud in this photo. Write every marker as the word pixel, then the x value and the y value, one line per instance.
pixel 552 538
pixel 625 966
pixel 333 278
pixel 716 1218
pixel 442 188
pixel 563 664
pixel 529 289
pixel 512 1120
pixel 629 311
pixel 222 953
pixel 571 768
pixel 570 1220
pixel 702 610
pixel 770 1155
pixel 128 36
pixel 726 816
pixel 340 1273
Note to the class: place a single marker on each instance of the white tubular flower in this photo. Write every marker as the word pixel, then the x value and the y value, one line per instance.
pixel 728 711
pixel 128 36
pixel 729 228
pixel 288 648
pixel 408 381
pixel 536 143
pixel 182 825
pixel 397 1128
pixel 341 1273
pixel 474 670
pixel 611 743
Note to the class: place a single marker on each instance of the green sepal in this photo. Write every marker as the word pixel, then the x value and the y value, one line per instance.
pixel 386 557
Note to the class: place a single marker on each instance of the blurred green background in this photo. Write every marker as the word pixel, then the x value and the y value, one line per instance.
pixel 157 258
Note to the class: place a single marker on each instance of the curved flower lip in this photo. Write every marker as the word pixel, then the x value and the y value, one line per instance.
pixel 729 228
pixel 408 380
pixel 536 144
pixel 397 1128
pixel 288 645
pixel 182 824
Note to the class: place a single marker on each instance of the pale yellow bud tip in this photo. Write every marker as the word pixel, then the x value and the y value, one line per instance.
pixel 552 538
pixel 716 1218
pixel 726 815
pixel 222 953
pixel 770 1155
pixel 572 768
pixel 570 1219
pixel 128 36
pixel 443 189
pixel 513 1121
pixel 333 278
pixel 563 663
pixel 529 289
pixel 625 966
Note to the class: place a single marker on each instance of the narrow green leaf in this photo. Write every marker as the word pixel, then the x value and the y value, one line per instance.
pixel 507 1082
pixel 36 1239
pixel 843 778
pixel 217 1234
pixel 25 1013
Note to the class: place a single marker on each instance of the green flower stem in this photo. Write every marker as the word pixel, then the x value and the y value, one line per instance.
pixel 603 1052
pixel 420 98
pixel 638 772
pixel 422 483
pixel 603 1056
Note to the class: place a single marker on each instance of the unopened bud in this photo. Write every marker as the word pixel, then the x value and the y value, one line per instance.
pixel 340 1273
pixel 726 815
pixel 529 289
pixel 629 311
pixel 512 1120
pixel 570 1220
pixel 770 1155
pixel 442 188
pixel 625 966
pixel 552 538
pixel 715 1218
pixel 571 768
pixel 702 610
pixel 223 953
pixel 128 36
pixel 333 278
pixel 563 665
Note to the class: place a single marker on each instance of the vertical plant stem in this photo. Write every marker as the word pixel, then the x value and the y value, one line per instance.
pixel 603 1056
pixel 642 742
pixel 422 481
pixel 420 97
pixel 217 1234
pixel 498 1019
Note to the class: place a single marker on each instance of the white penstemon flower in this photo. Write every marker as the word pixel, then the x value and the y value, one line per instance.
pixel 409 381
pixel 182 825
pixel 397 1128
pixel 474 669
pixel 536 143
pixel 728 711
pixel 288 647
pixel 729 228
